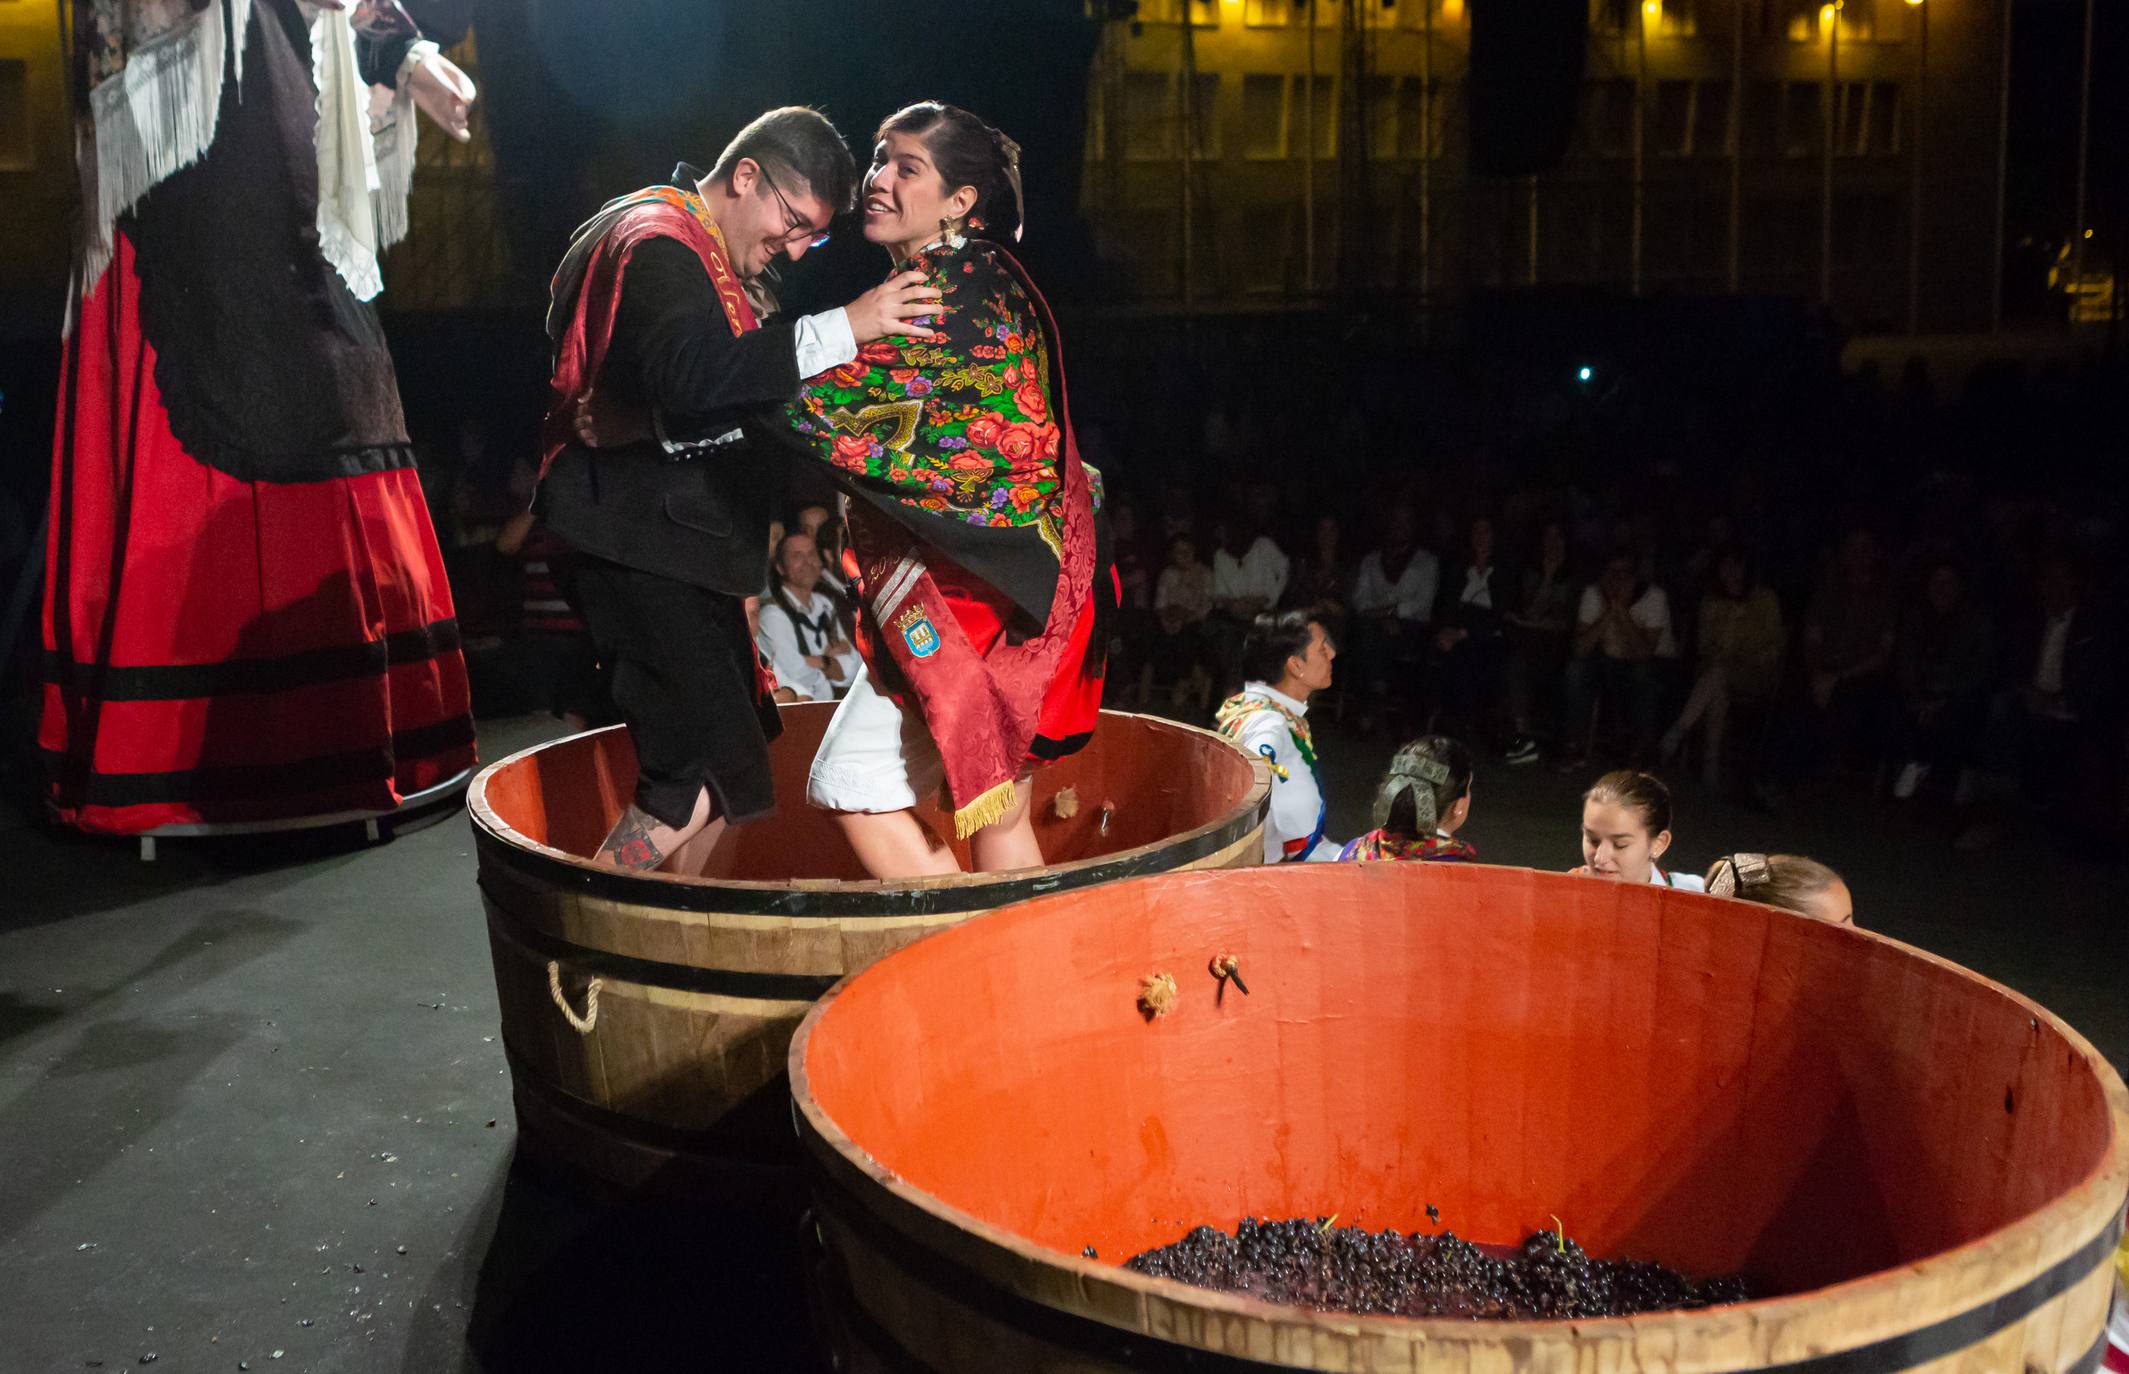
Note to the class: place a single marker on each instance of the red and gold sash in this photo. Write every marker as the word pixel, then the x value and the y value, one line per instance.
pixel 592 270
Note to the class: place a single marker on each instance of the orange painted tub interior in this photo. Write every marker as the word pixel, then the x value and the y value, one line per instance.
pixel 1713 1085
pixel 1159 780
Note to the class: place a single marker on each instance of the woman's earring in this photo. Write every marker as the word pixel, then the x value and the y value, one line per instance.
pixel 950 234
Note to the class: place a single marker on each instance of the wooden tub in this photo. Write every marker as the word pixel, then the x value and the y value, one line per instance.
pixel 646 1017
pixel 1922 1169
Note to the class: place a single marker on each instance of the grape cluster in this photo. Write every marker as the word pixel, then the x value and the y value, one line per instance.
pixel 1312 1263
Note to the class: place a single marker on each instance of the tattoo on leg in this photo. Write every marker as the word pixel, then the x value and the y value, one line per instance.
pixel 630 843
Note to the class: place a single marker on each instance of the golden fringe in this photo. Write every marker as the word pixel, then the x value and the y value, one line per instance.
pixel 994 802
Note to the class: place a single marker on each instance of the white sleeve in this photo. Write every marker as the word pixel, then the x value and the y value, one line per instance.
pixel 1164 591
pixel 787 658
pixel 1367 588
pixel 823 341
pixel 1424 585
pixel 1278 568
pixel 1223 581
pixel 1592 606
pixel 1653 611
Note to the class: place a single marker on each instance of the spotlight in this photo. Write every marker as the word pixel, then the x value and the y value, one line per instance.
pixel 1584 374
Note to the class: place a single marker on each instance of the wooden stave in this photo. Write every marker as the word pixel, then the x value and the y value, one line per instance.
pixel 641 951
pixel 2066 1246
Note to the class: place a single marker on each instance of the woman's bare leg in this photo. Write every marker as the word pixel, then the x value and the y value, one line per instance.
pixel 640 840
pixel 895 844
pixel 1008 842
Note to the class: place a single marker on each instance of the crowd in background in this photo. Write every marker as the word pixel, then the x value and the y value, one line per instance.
pixel 1921 595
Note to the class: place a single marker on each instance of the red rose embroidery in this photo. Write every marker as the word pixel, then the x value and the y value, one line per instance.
pixel 850 374
pixel 969 462
pixel 986 430
pixel 1032 402
pixel 1017 444
pixel 879 352
pixel 851 452
pixel 1046 437
pixel 903 376
pixel 1025 498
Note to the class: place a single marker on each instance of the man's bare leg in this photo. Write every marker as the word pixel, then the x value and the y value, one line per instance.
pixel 692 858
pixel 1008 842
pixel 895 844
pixel 640 840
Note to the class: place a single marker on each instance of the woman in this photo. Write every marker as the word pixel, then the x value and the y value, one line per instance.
pixel 972 522
pixel 1741 642
pixel 246 615
pixel 1789 881
pixel 1420 804
pixel 1626 827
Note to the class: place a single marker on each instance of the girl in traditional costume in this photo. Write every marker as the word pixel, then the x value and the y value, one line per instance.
pixel 1422 802
pixel 246 618
pixel 980 572
pixel 1789 881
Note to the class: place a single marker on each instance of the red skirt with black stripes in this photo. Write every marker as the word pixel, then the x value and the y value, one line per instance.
pixel 220 651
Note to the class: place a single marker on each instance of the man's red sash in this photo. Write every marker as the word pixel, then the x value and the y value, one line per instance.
pixel 609 239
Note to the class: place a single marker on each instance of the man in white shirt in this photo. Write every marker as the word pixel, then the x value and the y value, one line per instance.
pixel 1623 644
pixel 1287 659
pixel 808 649
pixel 1249 574
pixel 1392 604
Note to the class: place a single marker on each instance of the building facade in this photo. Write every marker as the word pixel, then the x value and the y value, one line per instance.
pixel 1843 153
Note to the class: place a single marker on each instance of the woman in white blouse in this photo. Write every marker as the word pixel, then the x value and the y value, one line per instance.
pixel 804 632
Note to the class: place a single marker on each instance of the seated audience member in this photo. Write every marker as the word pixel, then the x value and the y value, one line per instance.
pixel 1738 659
pixel 1471 633
pixel 1626 827
pixel 2063 718
pixel 1249 575
pixel 1322 575
pixel 1622 646
pixel 1944 660
pixel 1420 804
pixel 804 634
pixel 831 538
pixel 1789 881
pixel 1388 612
pixel 1182 603
pixel 1847 652
pixel 1287 660
pixel 1540 634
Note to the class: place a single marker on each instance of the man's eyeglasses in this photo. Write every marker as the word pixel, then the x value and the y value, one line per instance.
pixel 797 223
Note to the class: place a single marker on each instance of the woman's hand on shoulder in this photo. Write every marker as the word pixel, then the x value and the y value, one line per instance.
pixel 893 306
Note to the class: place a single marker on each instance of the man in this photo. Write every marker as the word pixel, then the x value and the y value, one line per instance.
pixel 1623 641
pixel 1288 659
pixel 800 631
pixel 1392 603
pixel 660 361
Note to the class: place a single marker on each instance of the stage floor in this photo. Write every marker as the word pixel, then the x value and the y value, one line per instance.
pixel 252 1098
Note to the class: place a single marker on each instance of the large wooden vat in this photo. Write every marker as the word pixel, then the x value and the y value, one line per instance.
pixel 646 1017
pixel 1925 1170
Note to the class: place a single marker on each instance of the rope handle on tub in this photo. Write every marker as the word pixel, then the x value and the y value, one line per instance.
pixel 582 1025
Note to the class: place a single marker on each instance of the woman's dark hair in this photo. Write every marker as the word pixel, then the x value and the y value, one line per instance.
pixel 795 142
pixel 1427 777
pixel 1637 791
pixel 838 610
pixel 968 152
pixel 1274 638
